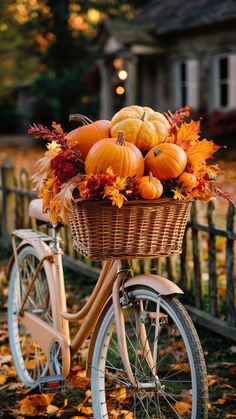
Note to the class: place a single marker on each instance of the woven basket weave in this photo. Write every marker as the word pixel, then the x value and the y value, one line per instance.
pixel 140 229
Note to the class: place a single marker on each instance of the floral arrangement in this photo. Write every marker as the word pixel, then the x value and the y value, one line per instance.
pixel 139 154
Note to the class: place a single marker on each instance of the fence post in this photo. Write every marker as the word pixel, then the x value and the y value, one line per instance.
pixel 196 258
pixel 8 202
pixel 212 260
pixel 230 278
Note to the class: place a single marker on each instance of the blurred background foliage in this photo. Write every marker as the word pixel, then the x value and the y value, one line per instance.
pixel 47 48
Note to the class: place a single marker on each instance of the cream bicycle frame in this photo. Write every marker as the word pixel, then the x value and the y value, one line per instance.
pixel 114 277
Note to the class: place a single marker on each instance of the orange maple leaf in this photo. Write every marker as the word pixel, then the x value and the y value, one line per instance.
pixel 186 134
pixel 199 152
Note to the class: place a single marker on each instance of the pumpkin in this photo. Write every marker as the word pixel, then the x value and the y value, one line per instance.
pixel 150 187
pixel 124 158
pixel 86 136
pixel 166 161
pixel 142 126
pixel 188 180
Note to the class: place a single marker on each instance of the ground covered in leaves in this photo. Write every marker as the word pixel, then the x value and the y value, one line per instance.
pixel 75 401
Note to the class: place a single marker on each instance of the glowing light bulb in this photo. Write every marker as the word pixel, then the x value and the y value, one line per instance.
pixel 120 90
pixel 122 74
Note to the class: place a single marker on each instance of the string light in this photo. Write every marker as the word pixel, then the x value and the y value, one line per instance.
pixel 122 74
pixel 120 90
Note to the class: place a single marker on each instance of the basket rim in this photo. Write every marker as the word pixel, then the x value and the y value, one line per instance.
pixel 132 202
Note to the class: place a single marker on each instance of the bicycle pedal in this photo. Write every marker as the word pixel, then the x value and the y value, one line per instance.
pixel 51 384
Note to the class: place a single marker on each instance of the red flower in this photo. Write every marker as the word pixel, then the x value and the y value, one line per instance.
pixel 66 165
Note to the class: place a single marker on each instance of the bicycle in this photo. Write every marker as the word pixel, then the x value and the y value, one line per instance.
pixel 145 359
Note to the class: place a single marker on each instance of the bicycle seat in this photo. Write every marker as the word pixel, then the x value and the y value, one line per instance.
pixel 36 211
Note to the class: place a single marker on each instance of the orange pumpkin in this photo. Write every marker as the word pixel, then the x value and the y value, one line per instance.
pixel 188 180
pixel 142 126
pixel 150 187
pixel 166 161
pixel 85 137
pixel 124 158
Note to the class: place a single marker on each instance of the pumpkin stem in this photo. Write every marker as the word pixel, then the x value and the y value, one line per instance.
pixel 143 116
pixel 156 151
pixel 80 118
pixel 150 176
pixel 120 138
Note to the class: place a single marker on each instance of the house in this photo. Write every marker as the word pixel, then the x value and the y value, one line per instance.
pixel 173 53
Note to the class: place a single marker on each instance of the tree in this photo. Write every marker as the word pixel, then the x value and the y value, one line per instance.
pixel 49 43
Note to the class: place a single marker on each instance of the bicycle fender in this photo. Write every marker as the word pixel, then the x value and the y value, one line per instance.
pixel 160 284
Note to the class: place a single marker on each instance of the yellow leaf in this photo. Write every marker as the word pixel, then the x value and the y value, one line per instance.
pixel 3 379
pixel 61 205
pixel 52 409
pixel 183 407
pixel 109 171
pixel 178 195
pixel 49 191
pixel 53 149
pixel 30 364
pixel 35 404
pixel 86 410
pixel 44 165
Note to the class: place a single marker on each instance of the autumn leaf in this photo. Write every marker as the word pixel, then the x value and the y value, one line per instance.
pixel 35 404
pixel 199 153
pixel 179 115
pixel 49 191
pixel 186 134
pixel 3 379
pixel 61 206
pixel 112 192
pixel 44 165
pixel 178 195
pixel 79 379
pixel 183 407
pixel 212 379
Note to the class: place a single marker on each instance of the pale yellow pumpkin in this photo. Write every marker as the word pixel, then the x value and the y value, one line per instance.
pixel 142 126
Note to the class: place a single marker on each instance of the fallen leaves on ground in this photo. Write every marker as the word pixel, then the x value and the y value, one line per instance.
pixel 35 404
pixel 76 402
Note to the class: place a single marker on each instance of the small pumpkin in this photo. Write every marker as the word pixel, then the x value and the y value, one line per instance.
pixel 124 158
pixel 142 126
pixel 150 187
pixel 188 180
pixel 166 161
pixel 86 136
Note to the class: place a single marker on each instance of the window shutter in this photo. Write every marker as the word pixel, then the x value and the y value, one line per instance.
pixel 193 83
pixel 177 85
pixel 232 81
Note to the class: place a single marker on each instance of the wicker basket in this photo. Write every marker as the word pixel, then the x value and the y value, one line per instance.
pixel 140 229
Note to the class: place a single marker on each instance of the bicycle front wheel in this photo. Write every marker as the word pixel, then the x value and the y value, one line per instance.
pixel 28 357
pixel 174 386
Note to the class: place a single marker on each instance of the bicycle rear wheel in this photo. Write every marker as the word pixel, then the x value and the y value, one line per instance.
pixel 28 357
pixel 177 388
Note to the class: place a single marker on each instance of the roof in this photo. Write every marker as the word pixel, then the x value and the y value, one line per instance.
pixel 178 15
pixel 160 18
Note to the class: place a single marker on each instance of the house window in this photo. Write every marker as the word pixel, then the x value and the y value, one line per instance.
pixel 224 82
pixel 186 83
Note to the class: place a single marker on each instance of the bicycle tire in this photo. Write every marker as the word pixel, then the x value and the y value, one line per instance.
pixel 29 359
pixel 190 401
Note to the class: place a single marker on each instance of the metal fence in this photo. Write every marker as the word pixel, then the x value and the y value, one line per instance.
pixel 210 294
